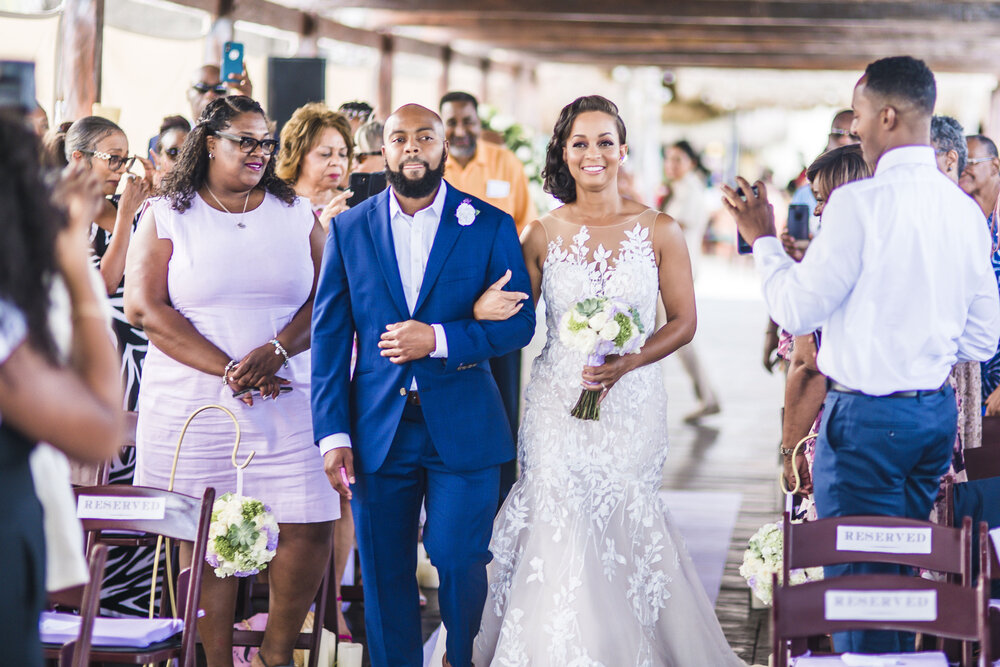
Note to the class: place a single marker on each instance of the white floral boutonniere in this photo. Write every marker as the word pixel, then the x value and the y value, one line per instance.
pixel 466 214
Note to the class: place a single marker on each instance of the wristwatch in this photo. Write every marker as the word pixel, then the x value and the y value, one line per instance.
pixel 787 452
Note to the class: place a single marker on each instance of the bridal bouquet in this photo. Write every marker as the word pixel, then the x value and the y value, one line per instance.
pixel 763 558
pixel 242 537
pixel 599 326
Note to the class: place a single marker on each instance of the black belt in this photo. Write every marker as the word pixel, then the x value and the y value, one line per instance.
pixel 913 393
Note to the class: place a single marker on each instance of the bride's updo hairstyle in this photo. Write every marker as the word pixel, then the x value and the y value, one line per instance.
pixel 556 178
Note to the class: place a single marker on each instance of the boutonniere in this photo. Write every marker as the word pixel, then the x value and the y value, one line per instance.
pixel 466 214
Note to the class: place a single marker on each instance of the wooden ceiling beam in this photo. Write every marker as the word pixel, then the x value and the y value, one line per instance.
pixel 707 11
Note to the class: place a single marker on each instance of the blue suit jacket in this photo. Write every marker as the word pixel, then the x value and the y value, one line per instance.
pixel 360 291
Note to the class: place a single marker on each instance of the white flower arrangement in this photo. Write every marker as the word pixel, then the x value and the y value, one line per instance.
pixel 597 327
pixel 242 537
pixel 466 213
pixel 763 557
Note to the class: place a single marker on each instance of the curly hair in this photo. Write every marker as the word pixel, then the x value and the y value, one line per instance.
pixel 29 226
pixel 301 132
pixel 947 135
pixel 180 185
pixel 555 175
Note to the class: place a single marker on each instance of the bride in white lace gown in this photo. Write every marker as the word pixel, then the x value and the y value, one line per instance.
pixel 587 569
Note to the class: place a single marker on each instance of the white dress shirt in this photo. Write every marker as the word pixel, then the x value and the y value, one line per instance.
pixel 413 237
pixel 899 279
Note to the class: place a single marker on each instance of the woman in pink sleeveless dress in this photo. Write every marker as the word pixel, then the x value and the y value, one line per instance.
pixel 221 277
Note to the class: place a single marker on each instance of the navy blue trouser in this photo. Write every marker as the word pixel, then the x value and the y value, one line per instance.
pixel 460 510
pixel 881 456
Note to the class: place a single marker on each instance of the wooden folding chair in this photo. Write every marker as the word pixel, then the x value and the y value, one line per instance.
pixel 85 599
pixel 185 519
pixel 827 542
pixel 849 603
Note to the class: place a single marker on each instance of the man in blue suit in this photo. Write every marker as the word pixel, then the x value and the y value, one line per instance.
pixel 421 420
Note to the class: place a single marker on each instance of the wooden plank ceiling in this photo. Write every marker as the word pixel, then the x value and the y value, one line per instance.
pixel 960 36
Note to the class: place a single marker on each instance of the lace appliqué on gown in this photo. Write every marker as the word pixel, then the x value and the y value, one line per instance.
pixel 587 569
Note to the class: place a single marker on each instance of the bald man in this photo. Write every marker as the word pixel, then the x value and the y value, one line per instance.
pixel 206 86
pixel 421 421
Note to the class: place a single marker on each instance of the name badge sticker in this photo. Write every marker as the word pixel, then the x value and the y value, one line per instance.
pixel 119 507
pixel 842 605
pixel 496 189
pixel 871 539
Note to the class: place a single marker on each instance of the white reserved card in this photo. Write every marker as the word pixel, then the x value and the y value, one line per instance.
pixel 872 539
pixel 847 605
pixel 119 507
pixel 496 189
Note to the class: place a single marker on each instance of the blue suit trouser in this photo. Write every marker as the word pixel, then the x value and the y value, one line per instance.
pixel 507 375
pixel 881 456
pixel 460 509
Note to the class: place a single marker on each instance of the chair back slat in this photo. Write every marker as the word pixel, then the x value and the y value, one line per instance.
pixel 815 543
pixel 180 520
pixel 959 612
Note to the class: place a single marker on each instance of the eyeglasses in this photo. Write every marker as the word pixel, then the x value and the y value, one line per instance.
pixel 368 154
pixel 115 162
pixel 357 114
pixel 838 132
pixel 976 160
pixel 249 144
pixel 172 152
pixel 203 88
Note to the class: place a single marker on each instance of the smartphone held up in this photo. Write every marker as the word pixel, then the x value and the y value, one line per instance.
pixel 742 247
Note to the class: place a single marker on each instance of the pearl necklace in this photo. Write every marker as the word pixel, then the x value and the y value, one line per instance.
pixel 239 223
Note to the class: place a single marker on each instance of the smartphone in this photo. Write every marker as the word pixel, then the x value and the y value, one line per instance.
pixel 365 185
pixel 798 221
pixel 232 61
pixel 742 247
pixel 254 391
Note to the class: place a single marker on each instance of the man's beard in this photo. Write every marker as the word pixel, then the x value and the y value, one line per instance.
pixel 415 189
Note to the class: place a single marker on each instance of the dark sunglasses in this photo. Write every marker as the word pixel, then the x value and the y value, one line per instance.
pixel 837 132
pixel 115 162
pixel 172 152
pixel 217 88
pixel 249 144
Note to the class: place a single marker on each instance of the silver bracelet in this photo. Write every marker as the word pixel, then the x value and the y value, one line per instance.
pixel 279 349
pixel 225 374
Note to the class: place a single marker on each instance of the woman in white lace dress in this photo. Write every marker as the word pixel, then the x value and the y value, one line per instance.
pixel 587 568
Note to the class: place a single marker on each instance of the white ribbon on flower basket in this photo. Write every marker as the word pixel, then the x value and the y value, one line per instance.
pixel 172 596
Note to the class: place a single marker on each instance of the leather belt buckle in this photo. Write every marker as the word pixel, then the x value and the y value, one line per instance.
pixel 413 398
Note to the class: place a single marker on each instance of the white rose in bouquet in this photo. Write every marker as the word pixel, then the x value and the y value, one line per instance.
pixel 610 330
pixel 598 321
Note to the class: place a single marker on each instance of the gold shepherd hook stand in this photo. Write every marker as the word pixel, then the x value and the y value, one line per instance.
pixel 170 487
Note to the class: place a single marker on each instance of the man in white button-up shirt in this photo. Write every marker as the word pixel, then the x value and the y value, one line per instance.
pixel 901 282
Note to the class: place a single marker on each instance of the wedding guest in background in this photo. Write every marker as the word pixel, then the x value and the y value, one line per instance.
pixel 39 120
pixel 207 86
pixel 805 385
pixel 315 157
pixel 357 113
pixel 900 282
pixel 76 407
pixel 222 277
pixel 686 204
pixel 494 174
pixel 368 148
pixel 54 147
pixel 981 179
pixel 951 154
pixel 167 146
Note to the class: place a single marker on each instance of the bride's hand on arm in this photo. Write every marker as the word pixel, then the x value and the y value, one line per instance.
pixel 677 292
pixel 496 304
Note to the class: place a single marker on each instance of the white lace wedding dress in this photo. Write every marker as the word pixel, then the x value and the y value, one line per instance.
pixel 587 569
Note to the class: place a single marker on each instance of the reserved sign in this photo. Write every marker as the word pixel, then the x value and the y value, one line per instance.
pixel 118 507
pixel 880 605
pixel 884 540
